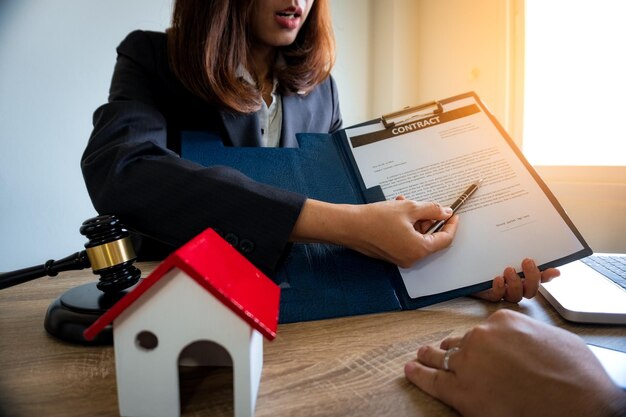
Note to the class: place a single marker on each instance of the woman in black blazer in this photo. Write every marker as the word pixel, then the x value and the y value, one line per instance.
pixel 253 73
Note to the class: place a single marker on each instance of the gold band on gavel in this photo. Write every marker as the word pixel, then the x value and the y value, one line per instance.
pixel 110 254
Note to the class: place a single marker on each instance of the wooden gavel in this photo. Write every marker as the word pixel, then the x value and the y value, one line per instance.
pixel 108 252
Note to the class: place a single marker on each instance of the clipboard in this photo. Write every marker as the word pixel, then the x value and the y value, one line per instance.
pixel 456 147
pixel 411 114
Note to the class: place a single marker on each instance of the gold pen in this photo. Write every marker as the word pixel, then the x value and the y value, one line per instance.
pixel 455 206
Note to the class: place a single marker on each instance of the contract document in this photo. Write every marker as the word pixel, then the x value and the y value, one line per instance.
pixel 435 155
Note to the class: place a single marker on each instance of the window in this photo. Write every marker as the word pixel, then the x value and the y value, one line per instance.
pixel 575 87
pixel 146 340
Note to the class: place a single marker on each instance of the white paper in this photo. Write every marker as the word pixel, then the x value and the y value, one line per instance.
pixel 507 219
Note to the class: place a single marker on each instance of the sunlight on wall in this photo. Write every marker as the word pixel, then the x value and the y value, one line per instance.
pixel 574 82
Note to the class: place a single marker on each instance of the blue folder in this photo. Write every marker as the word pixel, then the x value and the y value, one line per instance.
pixel 318 281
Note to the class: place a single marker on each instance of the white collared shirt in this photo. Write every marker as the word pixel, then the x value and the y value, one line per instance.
pixel 270 118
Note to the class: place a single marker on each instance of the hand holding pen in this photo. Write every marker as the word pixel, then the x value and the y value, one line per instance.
pixel 455 206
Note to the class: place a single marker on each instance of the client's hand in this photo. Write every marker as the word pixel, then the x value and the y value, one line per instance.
pixel 515 366
pixel 510 287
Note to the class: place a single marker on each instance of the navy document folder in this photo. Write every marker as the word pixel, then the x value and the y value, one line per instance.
pixel 322 281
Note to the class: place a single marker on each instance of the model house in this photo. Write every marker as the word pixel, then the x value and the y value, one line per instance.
pixel 206 300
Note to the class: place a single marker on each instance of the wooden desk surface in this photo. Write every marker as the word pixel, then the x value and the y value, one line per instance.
pixel 341 367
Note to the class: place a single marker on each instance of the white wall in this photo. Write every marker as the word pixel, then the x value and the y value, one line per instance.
pixel 352 71
pixel 396 53
pixel 56 61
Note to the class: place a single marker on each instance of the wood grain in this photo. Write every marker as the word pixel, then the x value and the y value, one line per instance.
pixel 349 366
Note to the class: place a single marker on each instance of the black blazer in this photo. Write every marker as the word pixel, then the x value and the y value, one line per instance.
pixel 132 166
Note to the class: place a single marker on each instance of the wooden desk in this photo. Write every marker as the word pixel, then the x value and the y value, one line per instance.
pixel 342 367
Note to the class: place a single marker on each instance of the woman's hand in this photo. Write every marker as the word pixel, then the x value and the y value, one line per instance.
pixel 393 230
pixel 385 230
pixel 510 287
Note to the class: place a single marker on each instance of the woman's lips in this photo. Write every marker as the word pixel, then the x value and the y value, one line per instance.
pixel 289 18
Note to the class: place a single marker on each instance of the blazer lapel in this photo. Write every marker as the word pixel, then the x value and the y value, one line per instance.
pixel 238 127
pixel 295 120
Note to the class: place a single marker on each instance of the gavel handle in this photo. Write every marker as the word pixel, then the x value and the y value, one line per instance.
pixel 51 268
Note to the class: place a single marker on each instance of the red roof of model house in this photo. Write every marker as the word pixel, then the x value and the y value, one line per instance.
pixel 223 272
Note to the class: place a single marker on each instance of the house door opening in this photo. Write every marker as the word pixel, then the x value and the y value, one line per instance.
pixel 205 374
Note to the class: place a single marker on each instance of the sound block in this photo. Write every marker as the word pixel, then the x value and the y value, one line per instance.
pixel 75 310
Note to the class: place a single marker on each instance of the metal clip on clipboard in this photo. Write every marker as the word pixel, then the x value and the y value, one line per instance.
pixel 410 114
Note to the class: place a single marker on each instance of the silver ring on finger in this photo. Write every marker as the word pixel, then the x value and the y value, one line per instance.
pixel 446 357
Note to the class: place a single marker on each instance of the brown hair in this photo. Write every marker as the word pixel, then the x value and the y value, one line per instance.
pixel 209 39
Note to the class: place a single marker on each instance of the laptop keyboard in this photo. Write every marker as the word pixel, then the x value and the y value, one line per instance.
pixel 612 267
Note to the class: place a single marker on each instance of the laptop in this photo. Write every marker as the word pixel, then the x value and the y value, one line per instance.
pixel 590 290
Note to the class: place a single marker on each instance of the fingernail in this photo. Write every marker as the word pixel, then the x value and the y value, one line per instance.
pixel 529 263
pixel 410 367
pixel 422 351
pixel 447 210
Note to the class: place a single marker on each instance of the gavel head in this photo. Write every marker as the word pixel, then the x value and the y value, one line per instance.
pixel 110 253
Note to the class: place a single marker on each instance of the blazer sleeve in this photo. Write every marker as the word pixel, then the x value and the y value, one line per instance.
pixel 129 171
